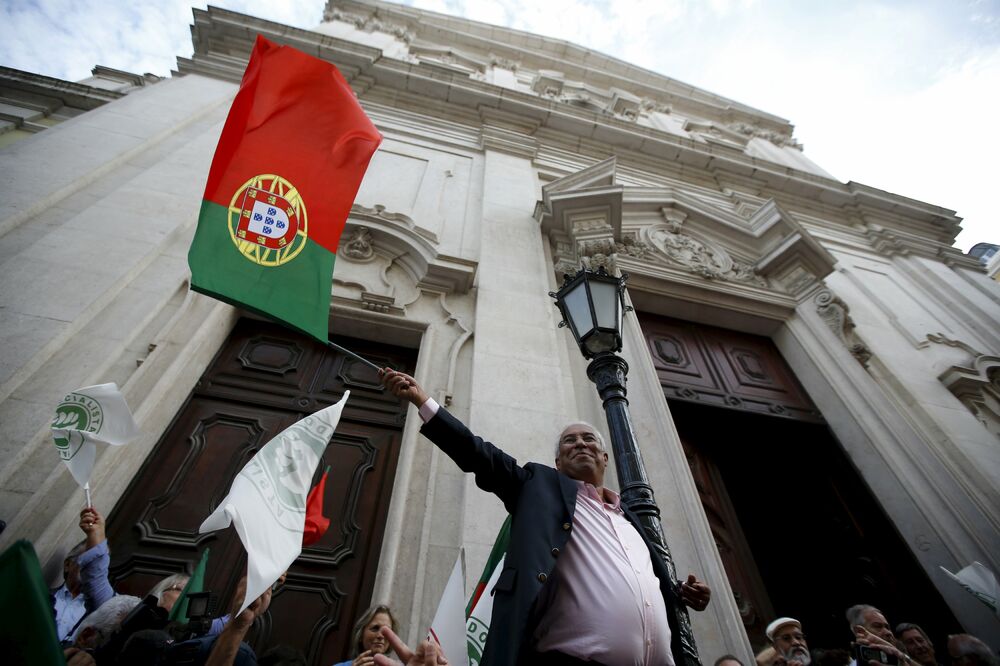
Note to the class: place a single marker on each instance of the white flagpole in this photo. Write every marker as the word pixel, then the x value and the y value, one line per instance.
pixel 86 489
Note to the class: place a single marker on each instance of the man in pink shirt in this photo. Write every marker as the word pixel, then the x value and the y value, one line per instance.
pixel 581 583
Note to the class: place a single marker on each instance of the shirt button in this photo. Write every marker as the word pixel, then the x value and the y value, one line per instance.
pixel 566 526
pixel 648 605
pixel 542 578
pixel 555 552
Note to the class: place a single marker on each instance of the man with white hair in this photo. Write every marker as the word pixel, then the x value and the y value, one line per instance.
pixel 581 583
pixel 97 628
pixel 872 620
pixel 789 642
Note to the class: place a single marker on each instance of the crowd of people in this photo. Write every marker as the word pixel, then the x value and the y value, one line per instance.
pixel 874 643
pixel 605 603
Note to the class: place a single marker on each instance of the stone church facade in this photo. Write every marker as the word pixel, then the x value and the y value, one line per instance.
pixel 813 367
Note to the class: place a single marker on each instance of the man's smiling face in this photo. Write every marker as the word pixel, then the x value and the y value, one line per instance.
pixel 581 455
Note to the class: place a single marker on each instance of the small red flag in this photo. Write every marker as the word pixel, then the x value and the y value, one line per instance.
pixel 316 523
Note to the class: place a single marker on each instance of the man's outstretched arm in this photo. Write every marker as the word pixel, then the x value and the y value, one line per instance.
pixel 494 470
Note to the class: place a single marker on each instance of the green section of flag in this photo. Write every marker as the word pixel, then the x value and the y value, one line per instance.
pixel 195 584
pixel 496 554
pixel 296 293
pixel 27 627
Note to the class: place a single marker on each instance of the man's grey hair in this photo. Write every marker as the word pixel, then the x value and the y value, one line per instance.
pixel 600 437
pixel 909 626
pixel 167 583
pixel 106 619
pixel 969 647
pixel 856 614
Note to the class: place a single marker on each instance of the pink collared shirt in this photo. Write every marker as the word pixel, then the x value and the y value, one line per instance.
pixel 602 601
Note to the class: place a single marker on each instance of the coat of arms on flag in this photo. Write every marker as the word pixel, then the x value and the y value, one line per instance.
pixel 267 220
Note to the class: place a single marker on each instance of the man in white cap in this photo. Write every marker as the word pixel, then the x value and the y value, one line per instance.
pixel 789 642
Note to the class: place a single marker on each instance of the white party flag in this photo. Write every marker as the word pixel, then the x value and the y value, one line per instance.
pixel 448 627
pixel 980 582
pixel 477 626
pixel 267 501
pixel 88 415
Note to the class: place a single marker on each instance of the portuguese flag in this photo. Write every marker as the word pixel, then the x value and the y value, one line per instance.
pixel 285 173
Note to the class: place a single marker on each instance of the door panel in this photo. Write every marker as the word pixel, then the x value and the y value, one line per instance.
pixel 263 379
pixel 798 531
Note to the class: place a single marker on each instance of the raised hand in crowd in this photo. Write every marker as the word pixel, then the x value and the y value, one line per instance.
pixel 864 637
pixel 426 654
pixel 695 593
pixel 92 524
pixel 227 645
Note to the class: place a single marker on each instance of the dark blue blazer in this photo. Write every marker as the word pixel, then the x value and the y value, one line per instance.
pixel 541 501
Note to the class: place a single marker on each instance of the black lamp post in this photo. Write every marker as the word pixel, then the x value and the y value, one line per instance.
pixel 592 304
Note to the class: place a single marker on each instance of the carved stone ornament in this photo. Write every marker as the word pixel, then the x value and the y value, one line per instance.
pixel 596 254
pixel 369 23
pixel 976 383
pixel 774 137
pixel 652 106
pixel 631 246
pixel 359 246
pixel 701 257
pixel 836 314
pixel 503 63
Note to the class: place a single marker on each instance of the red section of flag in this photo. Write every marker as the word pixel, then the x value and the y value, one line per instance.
pixel 295 116
pixel 316 523
pixel 478 592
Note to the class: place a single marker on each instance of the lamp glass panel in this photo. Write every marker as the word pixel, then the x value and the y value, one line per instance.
pixel 602 341
pixel 605 296
pixel 578 309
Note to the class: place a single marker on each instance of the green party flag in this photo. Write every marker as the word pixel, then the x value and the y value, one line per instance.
pixel 288 165
pixel 196 583
pixel 27 626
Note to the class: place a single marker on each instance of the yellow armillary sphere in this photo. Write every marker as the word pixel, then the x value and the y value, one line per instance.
pixel 267 220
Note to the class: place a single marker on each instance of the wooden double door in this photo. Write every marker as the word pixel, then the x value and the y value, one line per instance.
pixel 799 532
pixel 263 379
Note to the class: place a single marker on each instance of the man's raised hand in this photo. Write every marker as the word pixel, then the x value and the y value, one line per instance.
pixel 92 524
pixel 403 386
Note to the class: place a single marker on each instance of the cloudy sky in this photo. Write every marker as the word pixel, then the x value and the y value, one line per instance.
pixel 901 95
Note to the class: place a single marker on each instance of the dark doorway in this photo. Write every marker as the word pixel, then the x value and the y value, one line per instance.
pixel 798 530
pixel 264 378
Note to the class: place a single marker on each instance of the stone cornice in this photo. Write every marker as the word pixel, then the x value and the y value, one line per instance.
pixel 223 40
pixel 77 95
pixel 767 256
pixel 579 63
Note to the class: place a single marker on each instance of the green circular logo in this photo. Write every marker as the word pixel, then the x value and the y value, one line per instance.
pixel 75 414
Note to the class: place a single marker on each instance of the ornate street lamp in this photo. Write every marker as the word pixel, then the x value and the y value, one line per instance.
pixel 592 304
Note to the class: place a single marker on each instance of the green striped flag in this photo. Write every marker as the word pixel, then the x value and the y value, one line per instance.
pixel 479 612
pixel 196 583
pixel 285 173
